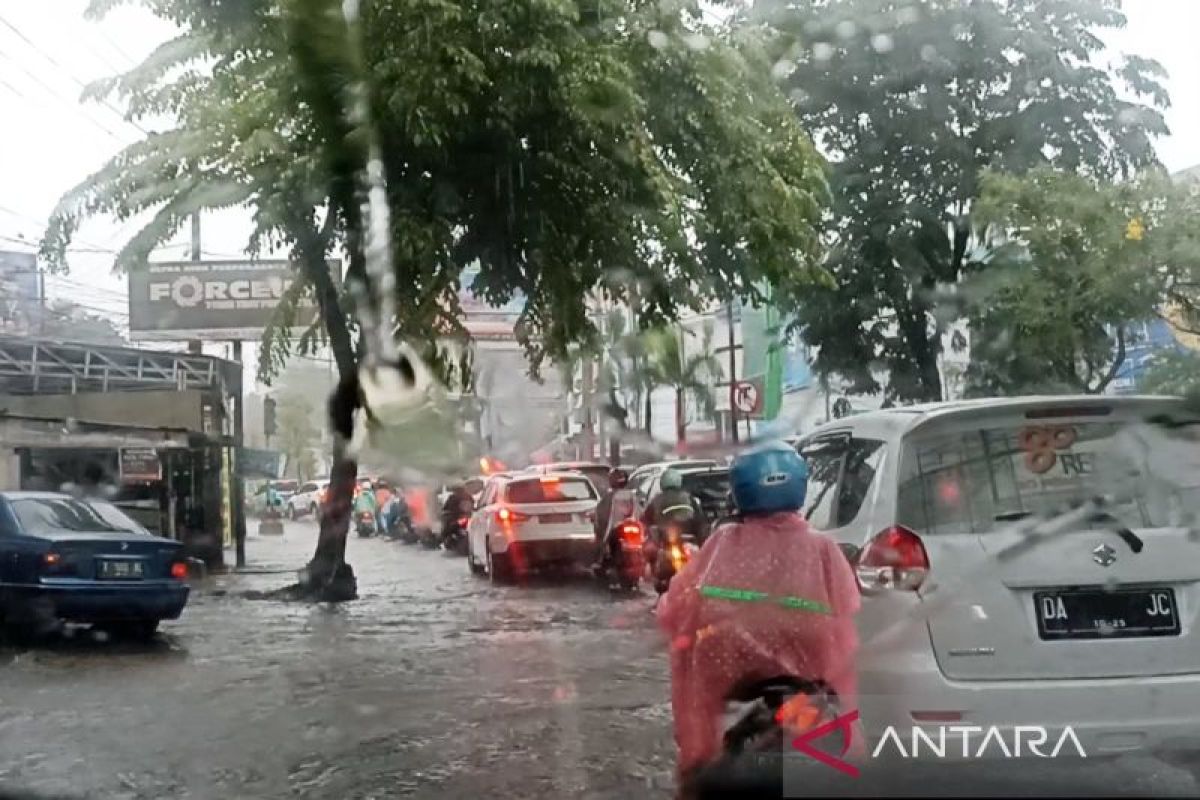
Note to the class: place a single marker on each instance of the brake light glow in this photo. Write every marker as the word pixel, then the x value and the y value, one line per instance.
pixel 52 559
pixel 179 571
pixel 507 516
pixel 895 559
pixel 548 479
pixel 631 533
pixel 678 557
pixel 798 714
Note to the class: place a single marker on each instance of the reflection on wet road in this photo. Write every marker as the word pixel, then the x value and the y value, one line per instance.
pixel 434 684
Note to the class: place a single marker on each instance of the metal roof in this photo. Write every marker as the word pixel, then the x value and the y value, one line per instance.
pixel 32 366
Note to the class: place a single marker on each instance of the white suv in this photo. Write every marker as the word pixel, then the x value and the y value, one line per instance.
pixel 984 603
pixel 526 522
pixel 308 499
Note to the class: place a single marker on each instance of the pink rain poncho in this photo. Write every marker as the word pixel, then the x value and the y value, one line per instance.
pixel 762 599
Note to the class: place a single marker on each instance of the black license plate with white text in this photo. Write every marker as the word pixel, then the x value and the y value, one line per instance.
pixel 1106 614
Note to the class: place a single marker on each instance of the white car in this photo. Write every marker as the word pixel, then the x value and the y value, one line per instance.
pixel 984 604
pixel 527 522
pixel 595 471
pixel 308 499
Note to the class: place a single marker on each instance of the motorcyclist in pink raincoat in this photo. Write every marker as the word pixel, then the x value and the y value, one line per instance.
pixel 765 597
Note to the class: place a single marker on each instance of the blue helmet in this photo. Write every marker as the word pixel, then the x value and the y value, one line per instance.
pixel 767 478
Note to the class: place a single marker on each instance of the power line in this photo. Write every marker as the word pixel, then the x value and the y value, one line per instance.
pixel 66 72
pixel 73 106
pixel 12 88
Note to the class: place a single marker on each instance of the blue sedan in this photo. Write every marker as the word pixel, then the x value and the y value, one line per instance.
pixel 82 560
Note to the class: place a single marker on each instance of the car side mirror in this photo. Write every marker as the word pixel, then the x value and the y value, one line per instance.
pixel 851 551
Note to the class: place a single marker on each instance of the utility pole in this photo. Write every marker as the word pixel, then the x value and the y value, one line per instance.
pixel 588 432
pixel 733 425
pixel 239 507
pixel 195 346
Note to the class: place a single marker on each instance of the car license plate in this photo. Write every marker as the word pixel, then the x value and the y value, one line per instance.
pixel 121 570
pixel 554 519
pixel 1100 614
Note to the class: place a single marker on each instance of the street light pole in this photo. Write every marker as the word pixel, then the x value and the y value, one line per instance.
pixel 733 422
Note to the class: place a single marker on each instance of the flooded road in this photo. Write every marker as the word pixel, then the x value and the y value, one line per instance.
pixel 434 684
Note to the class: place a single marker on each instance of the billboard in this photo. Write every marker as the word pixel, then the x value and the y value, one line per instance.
pixel 20 289
pixel 218 300
pixel 486 322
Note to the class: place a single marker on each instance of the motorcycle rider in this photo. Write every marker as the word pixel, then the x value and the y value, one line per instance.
pixel 460 503
pixel 675 504
pixel 720 641
pixel 617 504
pixel 364 501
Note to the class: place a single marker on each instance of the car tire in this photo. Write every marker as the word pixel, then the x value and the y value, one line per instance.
pixel 292 514
pixel 499 569
pixel 312 509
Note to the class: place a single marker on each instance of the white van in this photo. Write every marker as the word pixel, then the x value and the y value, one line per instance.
pixel 987 600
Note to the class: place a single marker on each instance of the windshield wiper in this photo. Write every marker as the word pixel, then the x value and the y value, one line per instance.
pixel 1128 536
pixel 1013 516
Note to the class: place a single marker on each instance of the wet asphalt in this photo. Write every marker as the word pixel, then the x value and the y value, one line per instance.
pixel 434 684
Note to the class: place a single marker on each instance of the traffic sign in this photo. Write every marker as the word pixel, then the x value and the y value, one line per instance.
pixel 747 398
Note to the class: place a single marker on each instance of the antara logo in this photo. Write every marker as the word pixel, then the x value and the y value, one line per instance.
pixel 979 742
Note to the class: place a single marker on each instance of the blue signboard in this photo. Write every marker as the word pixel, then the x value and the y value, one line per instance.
pixel 1145 341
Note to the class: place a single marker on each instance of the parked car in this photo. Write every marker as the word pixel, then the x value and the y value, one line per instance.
pixel 258 500
pixel 78 560
pixel 596 472
pixel 1092 625
pixel 527 522
pixel 308 499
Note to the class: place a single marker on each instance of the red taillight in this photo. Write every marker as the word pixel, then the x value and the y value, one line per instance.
pixel 462 521
pixel 895 559
pixel 548 479
pixel 631 533
pixel 179 571
pixel 52 559
pixel 507 516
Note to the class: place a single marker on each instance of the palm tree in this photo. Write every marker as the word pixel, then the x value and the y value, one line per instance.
pixel 669 364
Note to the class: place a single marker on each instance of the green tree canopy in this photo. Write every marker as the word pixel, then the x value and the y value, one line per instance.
pixel 911 103
pixel 1073 261
pixel 562 145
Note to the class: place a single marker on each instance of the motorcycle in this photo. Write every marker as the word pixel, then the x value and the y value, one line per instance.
pixel 364 524
pixel 668 552
pixel 761 718
pixel 624 562
pixel 454 537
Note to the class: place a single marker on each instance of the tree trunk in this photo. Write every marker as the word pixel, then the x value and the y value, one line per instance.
pixel 914 328
pixel 646 411
pixel 327 577
pixel 680 422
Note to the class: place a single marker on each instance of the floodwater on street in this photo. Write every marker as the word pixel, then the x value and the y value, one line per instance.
pixel 433 684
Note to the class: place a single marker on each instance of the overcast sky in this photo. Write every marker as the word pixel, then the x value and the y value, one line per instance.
pixel 49 141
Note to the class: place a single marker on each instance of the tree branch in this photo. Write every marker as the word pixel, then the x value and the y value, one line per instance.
pixel 1117 362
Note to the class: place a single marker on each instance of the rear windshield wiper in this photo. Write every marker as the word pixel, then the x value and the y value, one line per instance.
pixel 1013 516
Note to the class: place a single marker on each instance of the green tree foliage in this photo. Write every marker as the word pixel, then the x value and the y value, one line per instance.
pixel 1072 261
pixel 1173 372
pixel 562 145
pixel 911 103
pixel 298 434
pixel 669 364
